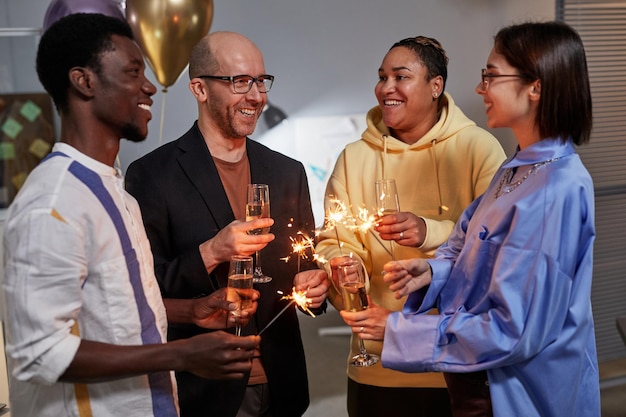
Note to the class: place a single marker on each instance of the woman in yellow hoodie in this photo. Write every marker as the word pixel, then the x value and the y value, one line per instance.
pixel 441 161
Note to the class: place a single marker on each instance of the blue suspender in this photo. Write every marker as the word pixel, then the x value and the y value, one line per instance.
pixel 160 382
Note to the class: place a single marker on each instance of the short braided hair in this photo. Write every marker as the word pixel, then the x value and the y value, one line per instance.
pixel 431 54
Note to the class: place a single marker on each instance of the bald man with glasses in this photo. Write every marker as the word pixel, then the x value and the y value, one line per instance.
pixel 192 193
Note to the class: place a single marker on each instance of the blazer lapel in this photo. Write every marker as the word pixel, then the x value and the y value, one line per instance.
pixel 198 165
pixel 260 165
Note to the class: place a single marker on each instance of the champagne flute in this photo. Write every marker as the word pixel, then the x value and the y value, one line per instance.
pixel 387 200
pixel 258 207
pixel 240 285
pixel 352 282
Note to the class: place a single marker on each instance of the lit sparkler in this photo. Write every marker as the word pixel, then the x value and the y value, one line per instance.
pixel 300 244
pixel 365 222
pixel 297 297
pixel 301 299
pixel 339 214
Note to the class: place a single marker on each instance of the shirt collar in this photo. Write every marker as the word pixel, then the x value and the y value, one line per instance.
pixel 87 161
pixel 550 148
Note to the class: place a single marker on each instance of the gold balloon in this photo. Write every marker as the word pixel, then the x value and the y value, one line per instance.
pixel 167 30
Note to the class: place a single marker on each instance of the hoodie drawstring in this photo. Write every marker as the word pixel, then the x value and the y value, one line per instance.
pixel 384 157
pixel 433 154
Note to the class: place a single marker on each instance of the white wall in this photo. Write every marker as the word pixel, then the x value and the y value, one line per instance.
pixel 324 53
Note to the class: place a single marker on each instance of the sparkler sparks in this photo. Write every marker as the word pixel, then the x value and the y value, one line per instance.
pixel 300 244
pixel 365 222
pixel 339 214
pixel 298 297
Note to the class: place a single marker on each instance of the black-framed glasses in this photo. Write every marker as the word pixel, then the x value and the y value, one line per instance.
pixel 486 77
pixel 243 83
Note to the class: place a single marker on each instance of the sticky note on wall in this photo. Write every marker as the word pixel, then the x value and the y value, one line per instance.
pixel 30 111
pixel 19 179
pixel 7 151
pixel 39 148
pixel 12 127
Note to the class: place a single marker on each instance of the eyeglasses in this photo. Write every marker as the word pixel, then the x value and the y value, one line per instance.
pixel 486 77
pixel 243 83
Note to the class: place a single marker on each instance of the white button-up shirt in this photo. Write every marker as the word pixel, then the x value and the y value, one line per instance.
pixel 65 265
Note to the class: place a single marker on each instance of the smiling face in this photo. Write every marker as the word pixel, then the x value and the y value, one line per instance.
pixel 234 115
pixel 123 104
pixel 509 101
pixel 405 97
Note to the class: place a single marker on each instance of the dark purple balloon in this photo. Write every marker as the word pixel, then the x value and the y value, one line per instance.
pixel 61 8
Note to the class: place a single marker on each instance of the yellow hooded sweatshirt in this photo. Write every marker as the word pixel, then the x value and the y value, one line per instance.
pixel 436 177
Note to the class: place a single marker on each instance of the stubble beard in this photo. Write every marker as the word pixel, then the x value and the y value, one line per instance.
pixel 132 133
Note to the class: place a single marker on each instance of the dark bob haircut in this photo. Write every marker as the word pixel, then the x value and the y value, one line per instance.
pixel 553 53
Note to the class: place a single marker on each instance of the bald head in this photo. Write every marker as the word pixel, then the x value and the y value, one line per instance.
pixel 217 49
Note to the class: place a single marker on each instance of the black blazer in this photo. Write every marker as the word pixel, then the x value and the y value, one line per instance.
pixel 183 204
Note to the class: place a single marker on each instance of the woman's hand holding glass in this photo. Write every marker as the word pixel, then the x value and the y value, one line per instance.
pixel 368 324
pixel 405 228
pixel 354 294
pixel 334 274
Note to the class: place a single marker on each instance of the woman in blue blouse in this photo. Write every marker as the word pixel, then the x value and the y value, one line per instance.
pixel 514 330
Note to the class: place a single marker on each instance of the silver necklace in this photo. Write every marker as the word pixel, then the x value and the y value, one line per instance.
pixel 508 176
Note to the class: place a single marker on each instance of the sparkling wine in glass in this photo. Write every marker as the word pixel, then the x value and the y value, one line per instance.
pixel 240 277
pixel 352 281
pixel 387 200
pixel 258 207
